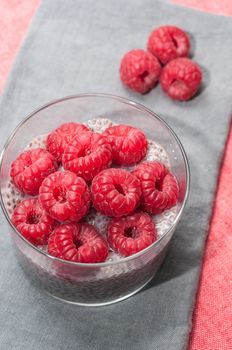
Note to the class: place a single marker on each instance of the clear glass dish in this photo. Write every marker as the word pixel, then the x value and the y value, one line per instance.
pixel 111 281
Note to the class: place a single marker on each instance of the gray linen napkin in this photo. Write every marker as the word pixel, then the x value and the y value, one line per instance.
pixel 75 46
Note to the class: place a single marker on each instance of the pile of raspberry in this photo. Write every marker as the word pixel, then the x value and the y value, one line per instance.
pixel 166 60
pixel 79 170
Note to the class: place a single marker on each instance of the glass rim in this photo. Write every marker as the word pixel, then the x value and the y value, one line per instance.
pixel 129 102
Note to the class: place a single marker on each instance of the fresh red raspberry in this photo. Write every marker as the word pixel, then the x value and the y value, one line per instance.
pixel 139 70
pixel 115 192
pixel 159 186
pixel 129 144
pixel 130 234
pixel 65 196
pixel 30 168
pixel 60 137
pixel 87 155
pixel 181 78
pixel 32 221
pixel 168 42
pixel 79 243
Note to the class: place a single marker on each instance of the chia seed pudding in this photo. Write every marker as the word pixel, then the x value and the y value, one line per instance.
pixel 103 282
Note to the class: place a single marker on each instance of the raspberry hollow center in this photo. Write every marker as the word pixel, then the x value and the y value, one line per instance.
pixel 143 75
pixel 84 152
pixel 32 218
pixel 174 42
pixel 120 190
pixel 78 242
pixel 59 194
pixel 131 232
pixel 159 185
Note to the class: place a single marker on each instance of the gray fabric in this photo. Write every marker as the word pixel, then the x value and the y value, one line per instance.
pixel 75 46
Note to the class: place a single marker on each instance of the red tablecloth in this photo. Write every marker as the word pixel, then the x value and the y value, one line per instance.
pixel 212 325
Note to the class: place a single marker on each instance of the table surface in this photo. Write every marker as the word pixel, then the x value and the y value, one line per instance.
pixel 213 313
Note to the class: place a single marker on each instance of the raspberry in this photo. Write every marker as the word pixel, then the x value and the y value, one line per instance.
pixel 159 186
pixel 130 234
pixel 30 168
pixel 78 242
pixel 139 70
pixel 32 221
pixel 181 78
pixel 60 137
pixel 129 145
pixel 65 196
pixel 115 192
pixel 168 42
pixel 87 155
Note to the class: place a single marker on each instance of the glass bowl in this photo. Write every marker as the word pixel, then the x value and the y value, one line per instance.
pixel 111 281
